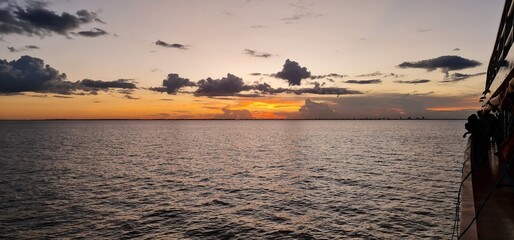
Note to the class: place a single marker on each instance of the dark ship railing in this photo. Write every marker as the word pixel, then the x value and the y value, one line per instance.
pixel 504 40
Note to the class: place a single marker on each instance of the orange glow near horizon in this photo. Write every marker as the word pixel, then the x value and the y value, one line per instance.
pixel 149 106
pixel 450 109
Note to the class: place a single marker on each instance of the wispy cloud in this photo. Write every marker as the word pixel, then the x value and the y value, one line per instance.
pixel 255 53
pixel 373 74
pixel 171 45
pixel 417 81
pixel 457 77
pixel 370 81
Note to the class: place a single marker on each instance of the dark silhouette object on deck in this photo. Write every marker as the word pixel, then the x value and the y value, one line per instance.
pixel 483 127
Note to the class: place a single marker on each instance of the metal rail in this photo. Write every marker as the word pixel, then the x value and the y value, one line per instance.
pixel 504 40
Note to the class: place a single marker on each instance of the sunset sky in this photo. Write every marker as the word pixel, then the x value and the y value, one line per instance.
pixel 171 59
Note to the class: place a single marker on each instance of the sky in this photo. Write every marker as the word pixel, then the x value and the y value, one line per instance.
pixel 244 59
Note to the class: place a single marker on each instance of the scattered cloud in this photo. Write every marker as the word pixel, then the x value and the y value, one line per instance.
pixel 234 114
pixel 370 81
pixel 130 97
pixel 99 84
pixel 301 11
pixel 314 110
pixel 226 86
pixel 373 74
pixel 95 32
pixel 35 19
pixel 254 53
pixel 331 75
pixel 25 48
pixel 29 74
pixel 444 63
pixel 293 73
pixel 417 81
pixel 325 91
pixel 173 83
pixel 457 77
pixel 171 45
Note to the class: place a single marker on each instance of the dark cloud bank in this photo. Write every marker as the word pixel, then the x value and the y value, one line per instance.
pixel 29 74
pixel 444 63
pixel 36 20
pixel 391 106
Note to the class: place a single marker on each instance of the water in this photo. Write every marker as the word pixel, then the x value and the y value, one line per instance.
pixel 229 179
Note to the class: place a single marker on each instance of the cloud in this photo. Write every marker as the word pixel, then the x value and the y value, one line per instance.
pixel 456 77
pixel 170 45
pixel 130 97
pixel 373 74
pixel 265 88
pixel 234 114
pixel 27 47
pixel 254 53
pixel 62 96
pixel 301 11
pixel 391 105
pixel 417 81
pixel 314 110
pixel 293 73
pixel 173 83
pixel 370 81
pixel 226 86
pixel 325 91
pixel 444 63
pixel 422 30
pixel 95 32
pixel 35 19
pixel 29 74
pixel 99 84
pixel 331 75
pixel 405 105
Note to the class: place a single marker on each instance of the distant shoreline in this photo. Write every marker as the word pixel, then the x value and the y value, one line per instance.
pixel 207 119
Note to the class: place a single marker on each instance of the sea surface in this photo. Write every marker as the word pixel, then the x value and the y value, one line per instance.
pixel 229 179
